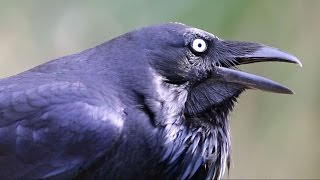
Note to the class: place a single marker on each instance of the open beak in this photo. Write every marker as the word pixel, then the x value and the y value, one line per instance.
pixel 258 53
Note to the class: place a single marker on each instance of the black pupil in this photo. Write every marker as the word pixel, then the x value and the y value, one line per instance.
pixel 199 45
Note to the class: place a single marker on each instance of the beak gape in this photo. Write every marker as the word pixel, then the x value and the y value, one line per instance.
pixel 251 81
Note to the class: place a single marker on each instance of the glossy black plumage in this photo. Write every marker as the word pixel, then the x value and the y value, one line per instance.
pixel 144 105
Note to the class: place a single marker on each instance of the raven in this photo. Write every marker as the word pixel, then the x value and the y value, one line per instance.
pixel 150 104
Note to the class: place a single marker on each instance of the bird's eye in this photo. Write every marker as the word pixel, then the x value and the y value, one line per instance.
pixel 199 45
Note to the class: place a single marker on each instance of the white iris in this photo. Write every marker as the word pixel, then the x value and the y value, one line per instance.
pixel 199 45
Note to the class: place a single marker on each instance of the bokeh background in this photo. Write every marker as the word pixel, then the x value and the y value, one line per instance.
pixel 274 136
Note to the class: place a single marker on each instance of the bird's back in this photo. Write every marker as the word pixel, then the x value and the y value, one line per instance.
pixel 54 122
pixel 61 121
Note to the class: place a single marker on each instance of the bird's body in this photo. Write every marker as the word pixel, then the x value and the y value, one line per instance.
pixel 137 107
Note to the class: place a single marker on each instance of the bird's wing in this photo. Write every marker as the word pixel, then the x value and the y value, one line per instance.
pixel 54 129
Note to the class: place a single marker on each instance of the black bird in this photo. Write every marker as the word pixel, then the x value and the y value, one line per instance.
pixel 150 104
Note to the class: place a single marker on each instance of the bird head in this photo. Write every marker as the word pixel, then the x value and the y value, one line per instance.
pixel 186 81
pixel 206 66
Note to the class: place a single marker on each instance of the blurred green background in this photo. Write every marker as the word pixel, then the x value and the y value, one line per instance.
pixel 274 136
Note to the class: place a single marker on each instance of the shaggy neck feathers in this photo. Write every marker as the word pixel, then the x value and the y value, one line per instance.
pixel 191 144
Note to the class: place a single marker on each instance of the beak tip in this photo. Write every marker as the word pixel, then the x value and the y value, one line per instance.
pixel 275 54
pixel 292 92
pixel 283 89
pixel 299 63
pixel 295 60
